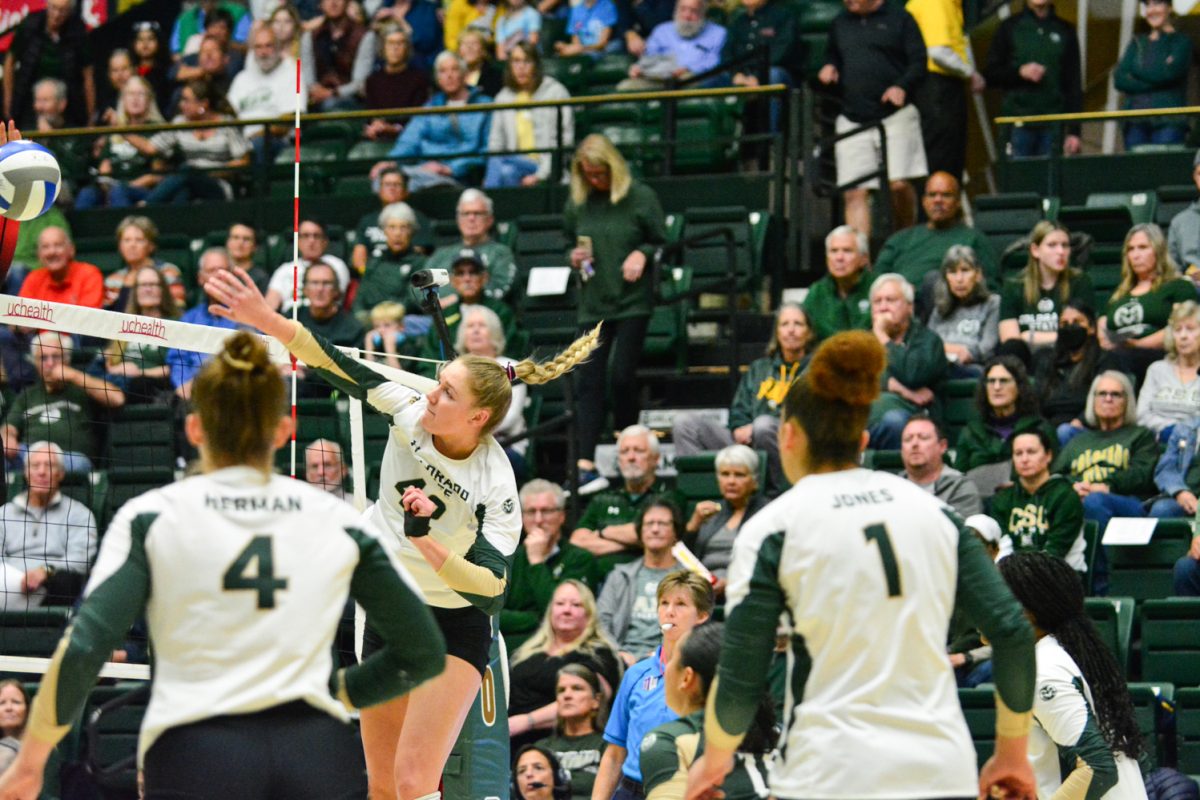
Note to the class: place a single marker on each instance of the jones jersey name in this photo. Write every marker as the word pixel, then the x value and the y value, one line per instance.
pixel 236 504
pixel 873 497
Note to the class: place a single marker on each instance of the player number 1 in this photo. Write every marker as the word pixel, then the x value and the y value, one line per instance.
pixel 879 535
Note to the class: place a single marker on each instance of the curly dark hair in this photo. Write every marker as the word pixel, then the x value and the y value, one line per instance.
pixel 1051 591
pixel 1027 400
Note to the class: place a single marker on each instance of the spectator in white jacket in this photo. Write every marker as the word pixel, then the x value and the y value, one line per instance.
pixel 1170 391
pixel 532 129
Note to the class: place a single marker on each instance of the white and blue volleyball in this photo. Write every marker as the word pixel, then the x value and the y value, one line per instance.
pixel 29 180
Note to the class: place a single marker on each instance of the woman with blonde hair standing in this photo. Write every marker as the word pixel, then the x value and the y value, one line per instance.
pixel 613 224
pixel 449 501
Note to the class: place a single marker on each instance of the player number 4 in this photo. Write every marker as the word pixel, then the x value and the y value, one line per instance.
pixel 262 579
pixel 879 535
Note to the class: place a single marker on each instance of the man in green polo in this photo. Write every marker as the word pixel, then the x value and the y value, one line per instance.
pixel 841 300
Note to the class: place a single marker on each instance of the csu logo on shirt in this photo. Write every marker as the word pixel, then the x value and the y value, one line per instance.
pixel 864 306
pixel 969 327
pixel 1045 305
pixel 1047 692
pixel 509 505
pixel 1127 315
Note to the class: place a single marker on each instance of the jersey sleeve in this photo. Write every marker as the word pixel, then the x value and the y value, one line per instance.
pixel 414 649
pixel 343 372
pixel 481 576
pixel 616 730
pixel 1063 713
pixel 115 597
pixel 660 764
pixel 754 600
pixel 982 595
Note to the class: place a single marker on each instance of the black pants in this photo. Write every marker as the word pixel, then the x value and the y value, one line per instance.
pixel 291 751
pixel 942 101
pixel 622 340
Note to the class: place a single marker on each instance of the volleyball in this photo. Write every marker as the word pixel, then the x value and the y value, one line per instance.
pixel 29 180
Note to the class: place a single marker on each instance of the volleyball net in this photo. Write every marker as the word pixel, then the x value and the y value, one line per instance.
pixel 102 396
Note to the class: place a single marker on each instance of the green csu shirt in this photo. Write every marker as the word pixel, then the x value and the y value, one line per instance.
pixel 371 236
pixel 387 278
pixel 1123 458
pixel 1135 317
pixel 616 230
pixel 1050 519
pixel 580 755
pixel 63 418
pixel 1042 315
pixel 669 751
pixel 914 252
pixel 618 506
pixel 830 313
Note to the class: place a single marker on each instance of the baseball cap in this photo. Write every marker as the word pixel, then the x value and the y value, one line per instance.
pixel 987 527
pixel 469 255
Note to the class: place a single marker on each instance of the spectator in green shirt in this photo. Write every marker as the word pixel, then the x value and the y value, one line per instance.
pixel 1030 304
pixel 541 562
pixel 1153 73
pixel 916 361
pixel 917 252
pixel 392 187
pixel 1134 323
pixel 841 301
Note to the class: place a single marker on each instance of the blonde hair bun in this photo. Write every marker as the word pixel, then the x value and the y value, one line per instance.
pixel 847 367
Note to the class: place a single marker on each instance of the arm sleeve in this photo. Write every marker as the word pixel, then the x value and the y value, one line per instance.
pixel 81 539
pixel 1066 524
pixel 115 597
pixel 481 576
pixel 1072 79
pixel 1168 475
pixel 308 70
pixel 753 602
pixel 659 764
pixel 652 222
pixel 1169 72
pixel 408 143
pixel 946 58
pixel 1000 69
pixel 886 260
pixel 1138 479
pixel 606 605
pixel 920 363
pixel 967 454
pixel 987 601
pixel 914 48
pixel 413 650
pixel 346 374
pixel 833 48
pixel 1123 76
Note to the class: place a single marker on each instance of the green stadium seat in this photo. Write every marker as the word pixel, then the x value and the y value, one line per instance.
pixel 571 72
pixel 142 436
pixel 352 186
pixel 666 336
pixel 541 243
pixel 1145 572
pixel 709 259
pixel 1105 224
pixel 979 710
pixel 1172 200
pixel 551 320
pixel 99 250
pixel 1171 641
pixel 1141 205
pixel 316 418
pixel 1113 618
pixel 958 405
pixel 126 483
pixel 882 460
pixel 115 716
pixel 32 633
pixel 1187 730
pixel 1004 218
pixel 705 134
pixel 1147 698
pixel 607 71
pixel 369 151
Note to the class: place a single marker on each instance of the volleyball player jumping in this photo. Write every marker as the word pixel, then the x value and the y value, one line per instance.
pixel 448 496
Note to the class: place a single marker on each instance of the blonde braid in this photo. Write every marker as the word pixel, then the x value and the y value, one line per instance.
pixel 576 353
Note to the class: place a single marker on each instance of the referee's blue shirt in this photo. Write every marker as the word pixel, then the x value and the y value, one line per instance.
pixel 640 707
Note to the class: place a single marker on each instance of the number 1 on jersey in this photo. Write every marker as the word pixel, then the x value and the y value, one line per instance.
pixel 879 535
pixel 263 581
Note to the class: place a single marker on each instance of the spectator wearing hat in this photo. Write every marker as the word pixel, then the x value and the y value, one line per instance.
pixel 1183 236
pixel 475 219
pixel 922 451
pixel 469 281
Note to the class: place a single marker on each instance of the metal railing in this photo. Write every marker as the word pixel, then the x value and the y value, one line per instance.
pixel 1058 122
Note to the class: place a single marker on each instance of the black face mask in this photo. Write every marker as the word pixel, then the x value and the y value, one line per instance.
pixel 1071 337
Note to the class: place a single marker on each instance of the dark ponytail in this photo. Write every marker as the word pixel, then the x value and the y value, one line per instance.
pixel 1051 591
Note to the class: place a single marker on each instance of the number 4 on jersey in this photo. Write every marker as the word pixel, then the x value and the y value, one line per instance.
pixel 263 580
pixel 879 535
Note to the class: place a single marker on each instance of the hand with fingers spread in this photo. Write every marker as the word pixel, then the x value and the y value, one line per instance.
pixel 9 134
pixel 239 300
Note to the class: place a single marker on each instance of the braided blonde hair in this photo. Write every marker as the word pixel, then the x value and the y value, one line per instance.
pixel 492 388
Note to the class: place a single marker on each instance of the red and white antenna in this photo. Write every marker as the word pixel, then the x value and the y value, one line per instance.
pixel 295 258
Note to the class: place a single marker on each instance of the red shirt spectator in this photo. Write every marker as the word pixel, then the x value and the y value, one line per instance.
pixel 60 278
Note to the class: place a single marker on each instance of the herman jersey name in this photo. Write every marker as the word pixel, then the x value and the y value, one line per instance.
pixel 252 504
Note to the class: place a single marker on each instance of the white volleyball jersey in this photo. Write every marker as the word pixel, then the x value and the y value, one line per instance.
pixel 248 577
pixel 867 565
pixel 1062 710
pixel 478 509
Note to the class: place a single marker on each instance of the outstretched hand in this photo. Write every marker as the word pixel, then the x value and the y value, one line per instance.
pixel 239 300
pixel 9 134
